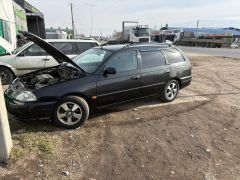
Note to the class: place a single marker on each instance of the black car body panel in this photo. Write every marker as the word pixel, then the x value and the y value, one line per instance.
pixel 102 90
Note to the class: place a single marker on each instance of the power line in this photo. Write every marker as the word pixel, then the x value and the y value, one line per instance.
pixel 91 26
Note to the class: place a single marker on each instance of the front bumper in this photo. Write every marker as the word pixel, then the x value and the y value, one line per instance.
pixel 29 110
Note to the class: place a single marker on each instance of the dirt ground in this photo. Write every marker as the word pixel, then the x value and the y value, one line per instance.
pixel 195 137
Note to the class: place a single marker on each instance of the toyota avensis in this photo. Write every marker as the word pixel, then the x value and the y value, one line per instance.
pixel 98 78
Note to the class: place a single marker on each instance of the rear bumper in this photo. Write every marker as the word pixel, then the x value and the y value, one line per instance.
pixel 30 110
pixel 186 81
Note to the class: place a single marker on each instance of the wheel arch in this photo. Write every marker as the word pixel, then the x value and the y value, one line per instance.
pixel 179 82
pixel 9 68
pixel 79 94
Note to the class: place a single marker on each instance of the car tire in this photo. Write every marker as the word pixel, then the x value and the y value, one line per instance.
pixel 71 112
pixel 6 75
pixel 170 91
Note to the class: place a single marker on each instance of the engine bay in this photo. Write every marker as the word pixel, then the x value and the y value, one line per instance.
pixel 50 76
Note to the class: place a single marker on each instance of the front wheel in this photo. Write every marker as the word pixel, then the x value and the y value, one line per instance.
pixel 71 112
pixel 170 91
pixel 6 75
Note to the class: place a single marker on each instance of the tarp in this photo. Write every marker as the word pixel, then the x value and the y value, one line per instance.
pixel 6 45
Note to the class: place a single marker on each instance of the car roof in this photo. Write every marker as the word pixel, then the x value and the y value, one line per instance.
pixel 118 47
pixel 112 47
pixel 70 40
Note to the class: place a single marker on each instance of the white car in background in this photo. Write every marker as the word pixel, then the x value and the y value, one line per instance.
pixel 169 42
pixel 234 46
pixel 31 57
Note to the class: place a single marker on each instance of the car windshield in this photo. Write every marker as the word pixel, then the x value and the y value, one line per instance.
pixel 141 32
pixel 91 60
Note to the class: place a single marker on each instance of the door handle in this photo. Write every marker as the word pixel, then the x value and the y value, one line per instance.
pixel 167 71
pixel 46 59
pixel 135 77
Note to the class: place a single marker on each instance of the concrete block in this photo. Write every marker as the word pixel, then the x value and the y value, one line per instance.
pixel 5 134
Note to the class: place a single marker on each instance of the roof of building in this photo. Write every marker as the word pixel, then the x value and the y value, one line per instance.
pixel 212 31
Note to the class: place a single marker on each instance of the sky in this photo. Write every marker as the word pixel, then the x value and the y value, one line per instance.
pixel 107 15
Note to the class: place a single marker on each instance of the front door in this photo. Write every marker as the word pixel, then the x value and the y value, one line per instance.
pixel 31 59
pixel 122 86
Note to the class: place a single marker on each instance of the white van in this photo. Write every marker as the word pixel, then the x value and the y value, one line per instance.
pixel 31 57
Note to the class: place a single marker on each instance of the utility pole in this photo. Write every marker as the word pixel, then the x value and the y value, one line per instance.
pixel 197 28
pixel 91 26
pixel 73 26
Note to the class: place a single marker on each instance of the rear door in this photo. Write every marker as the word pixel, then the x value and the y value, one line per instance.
pixel 155 71
pixel 125 84
pixel 67 48
pixel 179 66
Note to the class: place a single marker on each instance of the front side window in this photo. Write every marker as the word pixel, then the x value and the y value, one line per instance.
pixel 67 48
pixel 152 59
pixel 173 55
pixel 125 61
pixel 92 59
pixel 34 50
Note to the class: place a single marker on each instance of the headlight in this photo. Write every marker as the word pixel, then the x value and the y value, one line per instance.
pixel 25 96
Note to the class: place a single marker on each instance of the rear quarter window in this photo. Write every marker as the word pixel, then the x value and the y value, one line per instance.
pixel 67 48
pixel 173 55
pixel 84 46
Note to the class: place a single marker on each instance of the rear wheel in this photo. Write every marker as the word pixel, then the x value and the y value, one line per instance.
pixel 6 75
pixel 170 91
pixel 71 112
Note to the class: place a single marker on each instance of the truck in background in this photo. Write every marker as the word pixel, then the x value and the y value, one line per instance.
pixel 134 33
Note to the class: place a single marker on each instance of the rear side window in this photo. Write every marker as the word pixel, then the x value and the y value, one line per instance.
pixel 67 48
pixel 173 55
pixel 152 59
pixel 83 46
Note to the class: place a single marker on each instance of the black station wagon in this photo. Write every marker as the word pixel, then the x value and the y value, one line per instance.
pixel 98 78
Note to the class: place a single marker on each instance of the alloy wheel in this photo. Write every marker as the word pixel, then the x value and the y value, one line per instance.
pixel 4 76
pixel 171 91
pixel 69 113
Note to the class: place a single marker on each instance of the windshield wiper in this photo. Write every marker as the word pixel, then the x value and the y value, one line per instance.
pixel 78 68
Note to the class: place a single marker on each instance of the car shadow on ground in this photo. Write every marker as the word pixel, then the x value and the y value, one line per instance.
pixel 19 127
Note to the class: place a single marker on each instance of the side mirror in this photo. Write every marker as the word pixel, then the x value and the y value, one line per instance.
pixel 109 70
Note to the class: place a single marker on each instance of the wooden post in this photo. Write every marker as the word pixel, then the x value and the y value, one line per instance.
pixel 5 134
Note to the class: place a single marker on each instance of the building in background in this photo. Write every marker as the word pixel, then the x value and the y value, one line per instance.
pixel 35 19
pixel 20 18
pixel 204 37
pixel 59 33
pixel 7 26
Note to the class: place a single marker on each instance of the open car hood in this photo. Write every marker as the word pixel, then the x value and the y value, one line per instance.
pixel 6 45
pixel 50 49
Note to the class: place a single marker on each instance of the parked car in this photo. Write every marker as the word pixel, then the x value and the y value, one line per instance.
pixel 234 46
pixel 31 57
pixel 169 42
pixel 98 78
